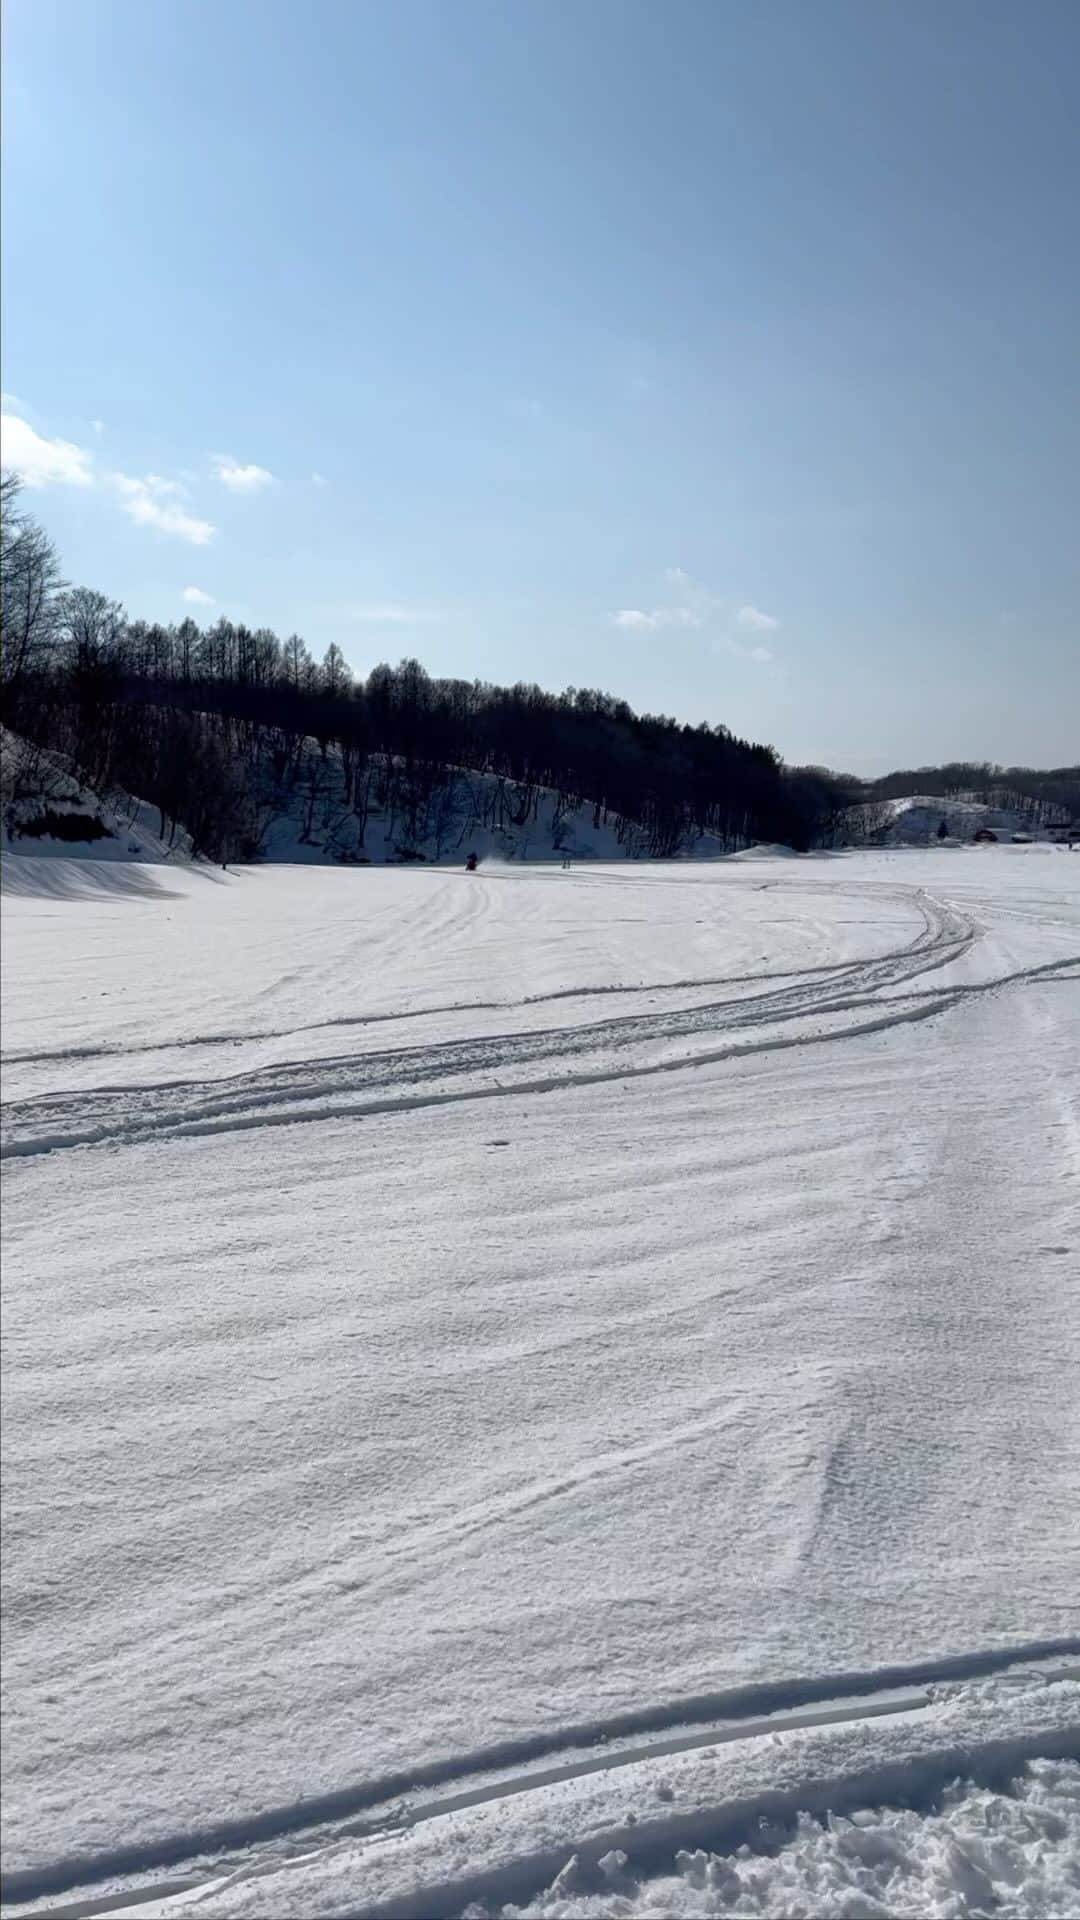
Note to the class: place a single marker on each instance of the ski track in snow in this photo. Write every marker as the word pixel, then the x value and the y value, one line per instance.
pixel 378 1453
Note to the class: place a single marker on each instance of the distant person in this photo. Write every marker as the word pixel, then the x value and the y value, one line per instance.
pixel 471 863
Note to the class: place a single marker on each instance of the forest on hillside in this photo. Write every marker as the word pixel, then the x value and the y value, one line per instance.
pixel 213 727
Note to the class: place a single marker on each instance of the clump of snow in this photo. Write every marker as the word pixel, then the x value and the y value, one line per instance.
pixel 1013 1854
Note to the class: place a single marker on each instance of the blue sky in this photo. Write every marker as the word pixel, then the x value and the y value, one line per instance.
pixel 721 354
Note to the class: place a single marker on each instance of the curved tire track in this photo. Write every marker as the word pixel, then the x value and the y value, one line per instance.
pixel 449 1072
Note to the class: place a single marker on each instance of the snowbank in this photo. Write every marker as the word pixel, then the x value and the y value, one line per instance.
pixel 1015 1854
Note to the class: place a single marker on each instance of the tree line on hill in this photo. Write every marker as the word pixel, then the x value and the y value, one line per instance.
pixel 215 728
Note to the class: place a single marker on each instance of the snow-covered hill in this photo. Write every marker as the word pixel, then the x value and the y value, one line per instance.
pixel 323 815
pixel 48 813
pixel 466 813
pixel 389 814
pixel 917 819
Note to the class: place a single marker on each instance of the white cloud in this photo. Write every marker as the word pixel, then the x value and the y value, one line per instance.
pixel 42 462
pixel 319 480
pixel 10 403
pixel 151 501
pixel 696 608
pixel 239 478
pixel 195 597
pixel 98 426
pixel 637 617
pixel 752 620
pixel 154 502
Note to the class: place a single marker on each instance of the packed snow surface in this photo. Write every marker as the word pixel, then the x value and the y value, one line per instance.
pixel 455 1320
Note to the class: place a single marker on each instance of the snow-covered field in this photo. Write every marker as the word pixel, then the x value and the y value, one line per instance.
pixel 460 1327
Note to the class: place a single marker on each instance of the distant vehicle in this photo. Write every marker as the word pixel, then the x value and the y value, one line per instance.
pixel 1022 839
pixel 985 834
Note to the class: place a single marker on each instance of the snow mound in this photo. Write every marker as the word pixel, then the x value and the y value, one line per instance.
pixel 766 850
pixel 1014 1854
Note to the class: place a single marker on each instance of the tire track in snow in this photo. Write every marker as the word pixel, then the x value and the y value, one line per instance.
pixel 283 1097
pixel 838 969
pixel 744 1713
pixel 406 1079
pixel 934 923
pixel 945 937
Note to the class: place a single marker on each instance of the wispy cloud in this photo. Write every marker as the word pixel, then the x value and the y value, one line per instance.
pixel 239 478
pixel 752 620
pixel 697 608
pixel 692 607
pixel 154 502
pixel 195 597
pixel 39 461
pixel 319 480
pixel 390 614
pixel 643 619
pixel 98 426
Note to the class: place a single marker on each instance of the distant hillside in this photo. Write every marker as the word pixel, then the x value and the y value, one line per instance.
pixel 917 819
pixel 214 728
pixel 48 809
pixel 244 746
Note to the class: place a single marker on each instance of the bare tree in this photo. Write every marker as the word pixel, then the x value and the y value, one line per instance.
pixel 90 623
pixel 31 587
pixel 334 673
